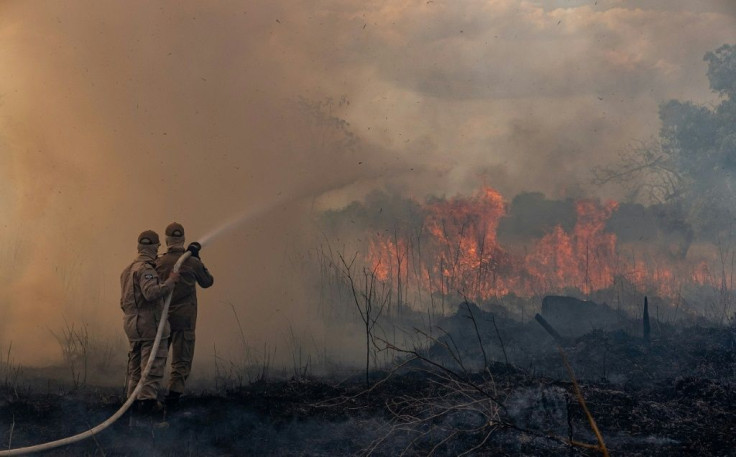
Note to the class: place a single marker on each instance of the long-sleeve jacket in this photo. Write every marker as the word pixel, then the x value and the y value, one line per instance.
pixel 142 299
pixel 183 308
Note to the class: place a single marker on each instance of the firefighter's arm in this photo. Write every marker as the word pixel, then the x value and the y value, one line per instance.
pixel 202 274
pixel 151 287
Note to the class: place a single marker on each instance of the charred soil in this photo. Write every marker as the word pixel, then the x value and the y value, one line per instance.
pixel 673 396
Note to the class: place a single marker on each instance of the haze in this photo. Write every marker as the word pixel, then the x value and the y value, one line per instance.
pixel 117 117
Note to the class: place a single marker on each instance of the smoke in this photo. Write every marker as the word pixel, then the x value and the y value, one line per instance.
pixel 118 117
pixel 127 118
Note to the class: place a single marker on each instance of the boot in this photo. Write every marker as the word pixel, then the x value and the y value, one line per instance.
pixel 150 408
pixel 172 399
pixel 139 414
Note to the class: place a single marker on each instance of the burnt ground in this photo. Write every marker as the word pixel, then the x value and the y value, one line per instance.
pixel 674 396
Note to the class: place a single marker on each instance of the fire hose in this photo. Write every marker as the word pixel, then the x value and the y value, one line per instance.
pixel 226 227
pixel 102 426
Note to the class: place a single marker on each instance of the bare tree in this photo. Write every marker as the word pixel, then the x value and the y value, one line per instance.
pixel 369 301
pixel 75 344
pixel 649 171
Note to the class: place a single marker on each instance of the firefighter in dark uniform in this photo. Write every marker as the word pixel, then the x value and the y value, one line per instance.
pixel 183 307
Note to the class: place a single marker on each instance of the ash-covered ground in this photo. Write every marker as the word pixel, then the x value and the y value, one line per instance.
pixel 480 383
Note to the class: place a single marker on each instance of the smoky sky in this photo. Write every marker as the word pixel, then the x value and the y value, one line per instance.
pixel 116 117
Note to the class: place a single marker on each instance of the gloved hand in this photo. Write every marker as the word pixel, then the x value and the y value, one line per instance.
pixel 194 248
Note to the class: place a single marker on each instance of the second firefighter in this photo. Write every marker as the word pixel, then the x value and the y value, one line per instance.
pixel 183 308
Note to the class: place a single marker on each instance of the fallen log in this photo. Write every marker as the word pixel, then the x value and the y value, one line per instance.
pixel 558 339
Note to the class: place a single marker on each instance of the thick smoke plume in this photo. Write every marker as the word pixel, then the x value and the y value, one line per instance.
pixel 124 116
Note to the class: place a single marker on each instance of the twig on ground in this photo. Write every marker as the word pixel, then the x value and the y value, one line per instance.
pixel 601 445
pixel 10 434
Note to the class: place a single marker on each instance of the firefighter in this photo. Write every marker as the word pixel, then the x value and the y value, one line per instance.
pixel 183 308
pixel 142 301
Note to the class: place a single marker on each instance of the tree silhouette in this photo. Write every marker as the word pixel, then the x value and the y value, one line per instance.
pixel 692 164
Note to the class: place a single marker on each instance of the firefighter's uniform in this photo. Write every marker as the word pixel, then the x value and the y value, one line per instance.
pixel 142 301
pixel 183 308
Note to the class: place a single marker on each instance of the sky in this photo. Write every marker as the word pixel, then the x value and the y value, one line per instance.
pixel 116 117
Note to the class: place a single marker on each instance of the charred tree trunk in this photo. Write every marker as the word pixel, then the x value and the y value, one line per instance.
pixel 647 327
pixel 399 261
pixel 367 353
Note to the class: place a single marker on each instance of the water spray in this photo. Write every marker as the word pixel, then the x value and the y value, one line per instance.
pixel 245 216
pixel 206 239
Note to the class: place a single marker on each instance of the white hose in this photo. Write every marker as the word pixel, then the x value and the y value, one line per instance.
pixel 128 402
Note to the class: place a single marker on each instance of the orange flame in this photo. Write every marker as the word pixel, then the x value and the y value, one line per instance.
pixel 460 254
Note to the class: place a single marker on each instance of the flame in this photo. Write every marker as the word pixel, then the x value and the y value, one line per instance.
pixel 457 252
pixel 584 258
pixel 467 256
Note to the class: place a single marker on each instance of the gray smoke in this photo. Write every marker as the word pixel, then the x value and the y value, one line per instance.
pixel 119 117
